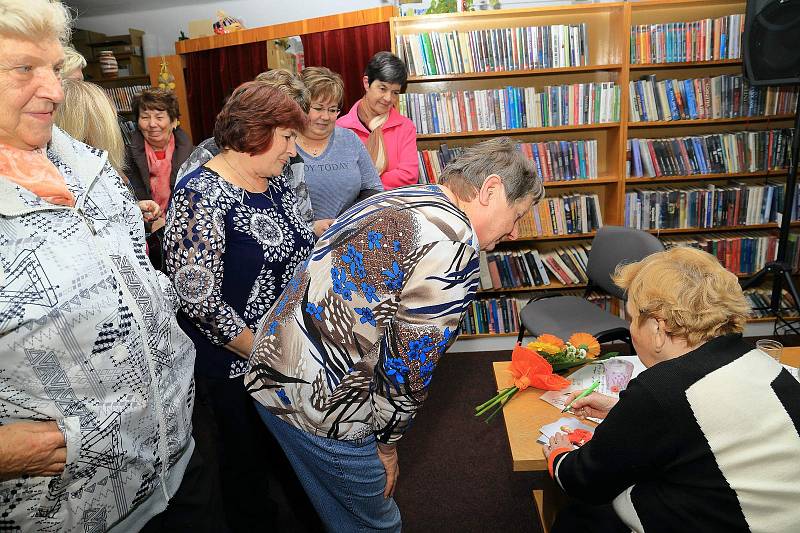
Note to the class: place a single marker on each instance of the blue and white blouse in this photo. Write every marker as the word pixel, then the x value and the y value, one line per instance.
pixel 230 253
pixel 350 347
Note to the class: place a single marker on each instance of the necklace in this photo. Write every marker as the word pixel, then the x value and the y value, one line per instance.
pixel 308 147
pixel 266 192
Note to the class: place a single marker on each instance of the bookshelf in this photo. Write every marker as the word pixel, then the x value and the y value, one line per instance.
pixel 607 40
pixel 122 89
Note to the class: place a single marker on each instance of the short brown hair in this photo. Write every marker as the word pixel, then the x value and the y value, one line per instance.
pixel 249 118
pixel 324 84
pixel 286 81
pixel 153 99
pixel 689 290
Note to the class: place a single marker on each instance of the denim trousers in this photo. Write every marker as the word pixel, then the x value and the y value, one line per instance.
pixel 344 479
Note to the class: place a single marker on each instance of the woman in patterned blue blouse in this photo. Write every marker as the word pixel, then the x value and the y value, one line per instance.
pixel 345 357
pixel 234 236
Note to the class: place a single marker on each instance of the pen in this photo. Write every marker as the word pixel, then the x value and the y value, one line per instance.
pixel 584 394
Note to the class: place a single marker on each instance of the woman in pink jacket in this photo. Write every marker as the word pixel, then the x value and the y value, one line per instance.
pixel 391 138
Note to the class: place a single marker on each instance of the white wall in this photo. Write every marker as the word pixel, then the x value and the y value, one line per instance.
pixel 166 23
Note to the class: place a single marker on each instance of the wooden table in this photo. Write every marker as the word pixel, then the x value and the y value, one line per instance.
pixel 526 413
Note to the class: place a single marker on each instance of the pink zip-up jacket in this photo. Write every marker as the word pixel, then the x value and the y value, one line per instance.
pixel 400 139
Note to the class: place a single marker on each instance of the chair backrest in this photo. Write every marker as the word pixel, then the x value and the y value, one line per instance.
pixel 614 245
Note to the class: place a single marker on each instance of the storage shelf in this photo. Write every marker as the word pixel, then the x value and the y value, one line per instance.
pixel 573 236
pixel 680 231
pixel 710 121
pixel 553 286
pixel 686 64
pixel 578 183
pixel 513 73
pixel 702 177
pixel 467 336
pixel 517 131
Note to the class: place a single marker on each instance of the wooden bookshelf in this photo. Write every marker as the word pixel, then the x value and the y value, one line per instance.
pixel 553 286
pixel 608 60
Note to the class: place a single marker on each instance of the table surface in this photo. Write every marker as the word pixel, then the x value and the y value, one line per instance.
pixel 526 413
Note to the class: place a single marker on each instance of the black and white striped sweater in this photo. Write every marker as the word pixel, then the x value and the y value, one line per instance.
pixel 709 441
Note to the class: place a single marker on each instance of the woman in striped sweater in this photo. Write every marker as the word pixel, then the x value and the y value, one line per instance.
pixel 705 439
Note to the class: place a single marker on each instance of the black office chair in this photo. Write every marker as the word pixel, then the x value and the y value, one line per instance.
pixel 563 315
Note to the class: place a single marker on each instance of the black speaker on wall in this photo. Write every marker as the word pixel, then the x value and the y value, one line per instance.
pixel 772 42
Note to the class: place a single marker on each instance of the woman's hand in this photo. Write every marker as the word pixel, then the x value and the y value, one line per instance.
pixel 321 226
pixel 31 449
pixel 387 453
pixel 559 440
pixel 150 210
pixel 595 405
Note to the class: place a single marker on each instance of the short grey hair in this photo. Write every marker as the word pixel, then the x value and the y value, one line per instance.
pixel 465 175
pixel 386 67
pixel 290 83
pixel 35 20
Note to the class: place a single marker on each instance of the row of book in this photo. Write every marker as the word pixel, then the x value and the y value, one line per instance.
pixel 554 160
pixel 123 96
pixel 716 153
pixel 723 96
pixel 512 107
pixel 492 315
pixel 533 268
pixel 676 42
pixel 742 253
pixel 705 207
pixel 494 50
pixel 759 300
pixel 568 214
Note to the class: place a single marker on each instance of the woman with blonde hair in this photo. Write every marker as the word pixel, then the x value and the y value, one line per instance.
pixel 74 63
pixel 89 116
pixel 706 438
pixel 338 168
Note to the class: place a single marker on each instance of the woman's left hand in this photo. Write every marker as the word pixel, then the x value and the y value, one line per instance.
pixel 150 210
pixel 559 440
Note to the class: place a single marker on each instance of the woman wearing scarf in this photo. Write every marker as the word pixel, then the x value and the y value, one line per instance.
pixel 391 138
pixel 156 152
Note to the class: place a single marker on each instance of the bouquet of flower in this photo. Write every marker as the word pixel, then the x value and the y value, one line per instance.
pixel 563 355
pixel 529 369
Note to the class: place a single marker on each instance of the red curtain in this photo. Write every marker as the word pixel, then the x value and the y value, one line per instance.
pixel 211 76
pixel 347 51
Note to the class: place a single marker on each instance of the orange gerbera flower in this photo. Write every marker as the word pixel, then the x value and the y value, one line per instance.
pixel 587 342
pixel 544 347
pixel 550 339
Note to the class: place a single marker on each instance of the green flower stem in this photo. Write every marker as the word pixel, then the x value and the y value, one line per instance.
pixel 500 406
pixel 497 399
pixel 492 400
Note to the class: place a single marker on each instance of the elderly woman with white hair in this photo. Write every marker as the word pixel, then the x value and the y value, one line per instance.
pixel 96 387
pixel 706 438
pixel 343 360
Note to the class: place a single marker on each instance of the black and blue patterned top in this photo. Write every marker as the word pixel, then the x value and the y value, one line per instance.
pixel 230 253
pixel 351 345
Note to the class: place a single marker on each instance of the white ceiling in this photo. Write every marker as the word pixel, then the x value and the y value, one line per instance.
pixel 89 8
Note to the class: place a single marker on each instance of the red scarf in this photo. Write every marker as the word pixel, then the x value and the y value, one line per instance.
pixel 160 170
pixel 32 170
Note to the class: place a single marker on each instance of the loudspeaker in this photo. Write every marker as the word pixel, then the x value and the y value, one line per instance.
pixel 770 42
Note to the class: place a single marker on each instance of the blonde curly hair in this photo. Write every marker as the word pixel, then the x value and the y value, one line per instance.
pixel 689 290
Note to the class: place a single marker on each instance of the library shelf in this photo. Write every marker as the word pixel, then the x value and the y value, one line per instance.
pixel 752 227
pixel 553 286
pixel 467 336
pixel 579 182
pixel 569 236
pixel 514 73
pixel 685 64
pixel 707 177
pixel 710 121
pixel 518 131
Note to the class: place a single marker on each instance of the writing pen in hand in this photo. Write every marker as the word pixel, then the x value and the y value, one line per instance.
pixel 584 394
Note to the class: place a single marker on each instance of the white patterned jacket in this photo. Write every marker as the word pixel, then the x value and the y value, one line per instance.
pixel 88 338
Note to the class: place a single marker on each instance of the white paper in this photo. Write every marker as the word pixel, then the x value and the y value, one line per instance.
pixel 583 378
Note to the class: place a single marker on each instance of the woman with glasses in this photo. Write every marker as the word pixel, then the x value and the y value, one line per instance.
pixel 338 169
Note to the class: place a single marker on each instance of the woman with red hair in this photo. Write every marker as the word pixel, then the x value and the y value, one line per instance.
pixel 234 236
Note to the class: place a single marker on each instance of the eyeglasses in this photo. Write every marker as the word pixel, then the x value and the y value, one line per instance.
pixel 331 110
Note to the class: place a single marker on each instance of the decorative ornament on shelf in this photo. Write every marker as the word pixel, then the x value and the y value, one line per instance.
pixel 108 64
pixel 166 80
pixel 227 24
pixel 529 369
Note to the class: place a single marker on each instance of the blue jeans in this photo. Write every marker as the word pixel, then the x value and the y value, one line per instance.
pixel 344 479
